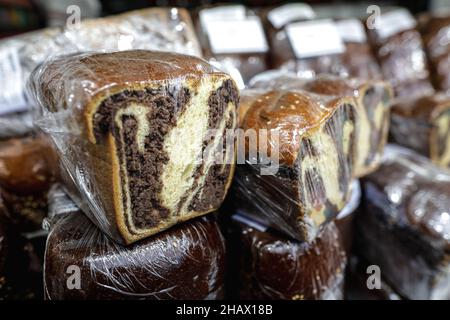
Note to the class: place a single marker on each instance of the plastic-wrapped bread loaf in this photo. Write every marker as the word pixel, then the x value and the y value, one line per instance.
pixel 423 124
pixel 298 175
pixel 165 29
pixel 358 59
pixel 400 52
pixel 26 173
pixel 272 266
pixel 139 134
pixel 232 36
pixel 372 99
pixel 435 32
pixel 404 226
pixel 306 56
pixel 185 262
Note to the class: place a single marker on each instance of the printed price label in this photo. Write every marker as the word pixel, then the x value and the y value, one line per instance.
pixel 351 30
pixel 394 22
pixel 236 36
pixel 233 12
pixel 314 38
pixel 12 97
pixel 281 16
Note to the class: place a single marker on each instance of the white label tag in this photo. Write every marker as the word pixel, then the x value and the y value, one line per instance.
pixel 236 36
pixel 394 22
pixel 281 16
pixel 314 38
pixel 232 12
pixel 351 30
pixel 12 97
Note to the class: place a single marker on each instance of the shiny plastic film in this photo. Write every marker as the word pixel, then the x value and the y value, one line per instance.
pixel 404 226
pixel 140 136
pixel 435 32
pixel 371 97
pixel 273 266
pixel 165 29
pixel 308 46
pixel 185 262
pixel 233 38
pixel 299 158
pixel 423 124
pixel 400 52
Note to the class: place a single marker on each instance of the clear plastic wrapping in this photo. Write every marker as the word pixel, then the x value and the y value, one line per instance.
pixel 233 37
pixel 185 262
pixel 272 266
pixel 372 99
pixel 423 124
pixel 435 31
pixel 166 29
pixel 17 124
pixel 140 136
pixel 299 166
pixel 404 227
pixel 339 48
pixel 400 52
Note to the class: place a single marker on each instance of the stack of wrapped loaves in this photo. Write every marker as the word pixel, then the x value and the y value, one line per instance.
pixel 245 153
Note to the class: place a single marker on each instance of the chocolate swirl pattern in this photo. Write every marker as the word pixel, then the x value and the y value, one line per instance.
pixel 136 141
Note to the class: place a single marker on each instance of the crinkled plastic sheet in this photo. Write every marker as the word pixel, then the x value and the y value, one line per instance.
pixel 16 125
pixel 423 124
pixel 166 29
pixel 435 31
pixel 66 87
pixel 372 98
pixel 403 61
pixel 240 65
pixel 185 262
pixel 272 266
pixel 300 176
pixel 404 227
pixel 356 61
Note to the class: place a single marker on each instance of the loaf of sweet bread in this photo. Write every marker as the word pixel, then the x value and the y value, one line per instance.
pixel 310 143
pixel 372 98
pixel 404 226
pixel 272 266
pixel 423 124
pixel 139 133
pixel 185 262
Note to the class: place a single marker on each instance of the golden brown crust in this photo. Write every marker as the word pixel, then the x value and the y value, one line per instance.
pixel 107 74
pixel 293 114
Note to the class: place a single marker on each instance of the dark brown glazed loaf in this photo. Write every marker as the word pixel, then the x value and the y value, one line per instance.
pixel 139 122
pixel 358 59
pixel 275 267
pixel 401 55
pixel 435 36
pixel 246 62
pixel 282 54
pixel 423 124
pixel 310 142
pixel 26 173
pixel 185 262
pixel 404 226
pixel 372 98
